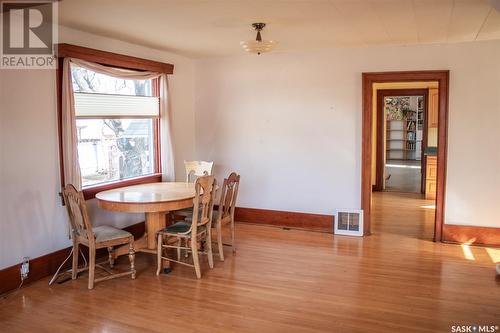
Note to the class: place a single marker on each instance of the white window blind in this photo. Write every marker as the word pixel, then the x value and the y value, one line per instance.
pixel 106 105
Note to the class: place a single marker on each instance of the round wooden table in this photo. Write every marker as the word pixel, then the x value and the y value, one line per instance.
pixel 154 199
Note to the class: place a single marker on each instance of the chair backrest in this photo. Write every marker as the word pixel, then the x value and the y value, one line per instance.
pixel 77 212
pixel 195 169
pixel 227 203
pixel 203 203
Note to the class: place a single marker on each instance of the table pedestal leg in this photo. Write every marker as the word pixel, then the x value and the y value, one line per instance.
pixel 154 223
pixel 147 243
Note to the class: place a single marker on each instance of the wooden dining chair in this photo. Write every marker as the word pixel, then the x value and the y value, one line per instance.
pixel 191 233
pixel 195 169
pixel 83 233
pixel 225 214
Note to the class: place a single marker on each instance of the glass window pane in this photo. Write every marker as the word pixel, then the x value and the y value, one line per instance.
pixel 87 81
pixel 115 149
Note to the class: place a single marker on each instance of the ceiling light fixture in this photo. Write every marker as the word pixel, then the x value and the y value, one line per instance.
pixel 258 45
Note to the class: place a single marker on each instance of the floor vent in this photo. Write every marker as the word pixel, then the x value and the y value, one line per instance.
pixel 348 222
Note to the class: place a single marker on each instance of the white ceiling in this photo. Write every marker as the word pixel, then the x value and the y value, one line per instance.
pixel 198 28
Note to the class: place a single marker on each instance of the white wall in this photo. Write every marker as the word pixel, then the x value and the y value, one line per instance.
pixel 32 220
pixel 290 123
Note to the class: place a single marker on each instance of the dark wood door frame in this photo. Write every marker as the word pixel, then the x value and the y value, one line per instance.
pixel 442 77
pixel 381 127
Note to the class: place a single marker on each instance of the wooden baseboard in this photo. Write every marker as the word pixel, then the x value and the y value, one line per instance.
pixel 471 235
pixel 314 222
pixel 45 265
pixel 40 267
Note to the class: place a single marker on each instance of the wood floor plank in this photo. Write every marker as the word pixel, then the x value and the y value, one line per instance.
pixel 396 280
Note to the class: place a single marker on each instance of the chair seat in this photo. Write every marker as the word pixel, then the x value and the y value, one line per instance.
pixel 215 214
pixel 105 233
pixel 180 228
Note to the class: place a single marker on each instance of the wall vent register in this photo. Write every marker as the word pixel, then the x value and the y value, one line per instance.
pixel 348 222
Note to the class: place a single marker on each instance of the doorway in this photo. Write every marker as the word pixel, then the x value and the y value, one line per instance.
pixel 401 139
pixel 437 162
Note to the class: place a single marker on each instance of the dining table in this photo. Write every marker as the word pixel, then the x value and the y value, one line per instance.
pixel 152 199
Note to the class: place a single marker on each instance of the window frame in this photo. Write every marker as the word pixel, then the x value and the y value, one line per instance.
pixel 119 61
pixel 90 191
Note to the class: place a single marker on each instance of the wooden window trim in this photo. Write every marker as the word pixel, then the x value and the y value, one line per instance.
pixel 114 60
pixel 91 191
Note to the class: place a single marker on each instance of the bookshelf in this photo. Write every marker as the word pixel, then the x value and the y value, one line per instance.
pixel 404 136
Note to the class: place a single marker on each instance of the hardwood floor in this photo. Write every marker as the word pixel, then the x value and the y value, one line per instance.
pixel 405 214
pixel 282 281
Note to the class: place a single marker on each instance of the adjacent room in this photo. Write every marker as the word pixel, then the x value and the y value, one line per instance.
pixel 250 166
pixel 404 161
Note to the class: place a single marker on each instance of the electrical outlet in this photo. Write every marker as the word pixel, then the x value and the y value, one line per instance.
pixel 25 268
